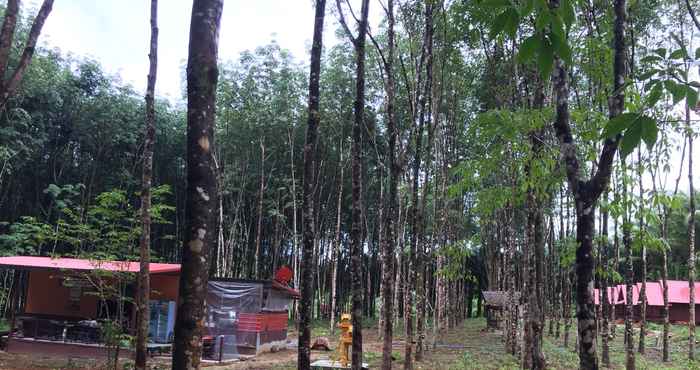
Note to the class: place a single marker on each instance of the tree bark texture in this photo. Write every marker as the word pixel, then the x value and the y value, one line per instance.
pixel 261 197
pixel 664 280
pixel 605 301
pixel 202 75
pixel 356 228
pixel 144 286
pixel 308 224
pixel 426 114
pixel 629 277
pixel 587 192
pixel 390 224
pixel 643 290
pixel 336 246
pixel 691 238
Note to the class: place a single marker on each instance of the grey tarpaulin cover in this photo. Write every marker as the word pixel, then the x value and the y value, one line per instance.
pixel 225 301
pixel 276 301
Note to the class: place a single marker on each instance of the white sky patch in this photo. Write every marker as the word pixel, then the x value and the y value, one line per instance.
pixel 116 33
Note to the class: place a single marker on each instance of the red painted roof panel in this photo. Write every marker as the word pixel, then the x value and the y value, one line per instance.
pixel 654 293
pixel 34 262
pixel 679 291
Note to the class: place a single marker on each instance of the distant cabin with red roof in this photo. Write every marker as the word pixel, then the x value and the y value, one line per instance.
pixel 678 300
pixel 55 308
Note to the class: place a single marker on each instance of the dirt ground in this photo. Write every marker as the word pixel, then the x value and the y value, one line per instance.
pixel 445 356
pixel 466 347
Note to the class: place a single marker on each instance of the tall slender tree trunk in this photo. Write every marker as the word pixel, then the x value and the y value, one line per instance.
pixel 643 290
pixel 295 243
pixel 629 275
pixel 356 234
pixel 691 216
pixel 202 75
pixel 414 264
pixel 336 244
pixel 389 237
pixel 533 357
pixel 513 300
pixel 415 209
pixel 309 231
pixel 605 301
pixel 691 238
pixel 616 263
pixel 261 196
pixel 560 272
pixel 426 112
pixel 664 273
pixel 356 228
pixel 566 305
pixel 144 283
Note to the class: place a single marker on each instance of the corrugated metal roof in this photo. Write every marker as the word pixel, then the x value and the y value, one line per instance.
pixel 622 294
pixel 654 293
pixel 678 292
pixel 612 291
pixel 34 262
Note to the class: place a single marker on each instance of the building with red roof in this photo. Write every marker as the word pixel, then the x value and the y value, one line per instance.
pixel 57 305
pixel 678 300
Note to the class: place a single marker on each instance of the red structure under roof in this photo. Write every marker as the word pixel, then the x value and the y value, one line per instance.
pixel 33 262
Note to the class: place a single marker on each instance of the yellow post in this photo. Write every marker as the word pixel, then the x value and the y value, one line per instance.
pixel 345 342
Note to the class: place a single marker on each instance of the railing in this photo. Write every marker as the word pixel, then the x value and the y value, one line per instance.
pixel 55 329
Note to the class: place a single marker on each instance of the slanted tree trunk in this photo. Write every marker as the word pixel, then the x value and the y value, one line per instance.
pixel 308 224
pixel 144 283
pixel 389 237
pixel 202 75
pixel 8 87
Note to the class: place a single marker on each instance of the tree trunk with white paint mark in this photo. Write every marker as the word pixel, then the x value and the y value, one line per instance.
pixel 202 75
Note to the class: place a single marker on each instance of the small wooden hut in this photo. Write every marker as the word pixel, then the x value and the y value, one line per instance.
pixel 495 302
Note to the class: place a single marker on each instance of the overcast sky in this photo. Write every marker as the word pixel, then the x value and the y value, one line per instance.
pixel 116 34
